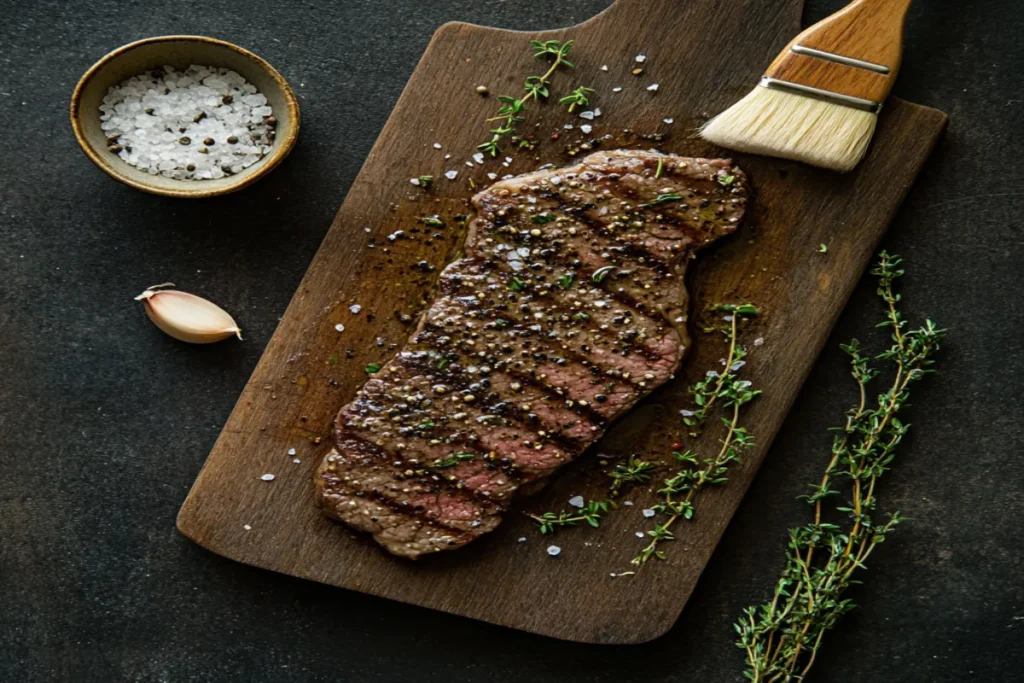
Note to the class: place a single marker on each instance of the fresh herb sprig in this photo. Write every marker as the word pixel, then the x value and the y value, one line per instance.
pixel 633 471
pixel 707 392
pixel 590 513
pixel 580 97
pixel 782 636
pixel 535 87
pixel 678 491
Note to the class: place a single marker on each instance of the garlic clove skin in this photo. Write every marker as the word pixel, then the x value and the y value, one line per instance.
pixel 187 317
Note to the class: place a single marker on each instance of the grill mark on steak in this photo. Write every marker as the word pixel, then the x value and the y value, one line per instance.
pixel 547 362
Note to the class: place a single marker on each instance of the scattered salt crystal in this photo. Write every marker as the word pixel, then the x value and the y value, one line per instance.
pixel 366 228
pixel 588 115
pixel 554 550
pixel 737 365
pixel 597 111
pixel 604 67
pixel 492 176
pixel 415 181
pixel 355 308
pixel 478 157
pixel 469 163
pixel 586 128
pixel 297 461
pixel 617 89
pixel 641 59
pixel 627 503
pixel 437 145
pixel 648 512
pixel 686 413
pixel 576 501
pixel 292 451
pixel 669 120
pixel 339 327
pixel 639 534
pixel 451 175
pixel 653 87
pixel 727 318
pixel 759 341
pixel 568 126
pixel 522 539
pixel 247 527
pixel 508 159
pixel 507 176
pixel 447 156
pixel 268 477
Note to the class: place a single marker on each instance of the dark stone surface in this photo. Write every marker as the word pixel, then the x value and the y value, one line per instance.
pixel 104 422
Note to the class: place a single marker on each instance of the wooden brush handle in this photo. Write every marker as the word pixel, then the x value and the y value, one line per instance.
pixel 866 30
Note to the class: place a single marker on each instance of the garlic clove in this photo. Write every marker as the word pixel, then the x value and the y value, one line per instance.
pixel 187 317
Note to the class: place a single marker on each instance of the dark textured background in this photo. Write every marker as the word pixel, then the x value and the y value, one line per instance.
pixel 104 422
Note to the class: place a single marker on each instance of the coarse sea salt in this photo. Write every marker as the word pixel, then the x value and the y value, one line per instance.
pixel 202 123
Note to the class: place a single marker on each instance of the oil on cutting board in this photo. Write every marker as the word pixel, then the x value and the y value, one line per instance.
pixel 363 293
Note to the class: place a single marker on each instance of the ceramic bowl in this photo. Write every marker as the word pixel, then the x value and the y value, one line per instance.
pixel 180 52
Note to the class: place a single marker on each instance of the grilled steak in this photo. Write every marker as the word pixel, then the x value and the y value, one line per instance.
pixel 568 308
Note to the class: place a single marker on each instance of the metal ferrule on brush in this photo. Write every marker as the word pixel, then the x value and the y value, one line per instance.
pixel 828 95
pixel 818 93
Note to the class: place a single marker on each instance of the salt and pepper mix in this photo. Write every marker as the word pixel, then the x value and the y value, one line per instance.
pixel 198 124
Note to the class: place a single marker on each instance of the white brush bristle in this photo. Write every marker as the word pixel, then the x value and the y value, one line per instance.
pixel 783 124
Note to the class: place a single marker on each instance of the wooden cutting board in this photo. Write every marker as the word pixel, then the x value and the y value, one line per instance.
pixel 704 54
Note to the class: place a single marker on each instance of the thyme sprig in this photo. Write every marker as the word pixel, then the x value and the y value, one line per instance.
pixel 536 88
pixel 679 491
pixel 782 636
pixel 580 97
pixel 590 513
pixel 633 471
pixel 709 390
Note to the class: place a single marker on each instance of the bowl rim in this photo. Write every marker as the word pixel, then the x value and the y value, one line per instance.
pixel 267 164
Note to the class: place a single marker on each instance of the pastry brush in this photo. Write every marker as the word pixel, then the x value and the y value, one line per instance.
pixel 819 100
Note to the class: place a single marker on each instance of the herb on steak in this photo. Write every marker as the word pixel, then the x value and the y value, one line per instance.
pixel 453 460
pixel 663 199
pixel 679 490
pixel 781 637
pixel 424 181
pixel 432 221
pixel 661 167
pixel 591 513
pixel 373 368
pixel 565 282
pixel 577 98
pixel 516 285
pixel 725 180
pixel 542 218
pixel 536 87
pixel 633 471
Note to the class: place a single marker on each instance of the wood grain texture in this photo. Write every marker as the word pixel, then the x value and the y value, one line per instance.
pixel 704 54
pixel 868 30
